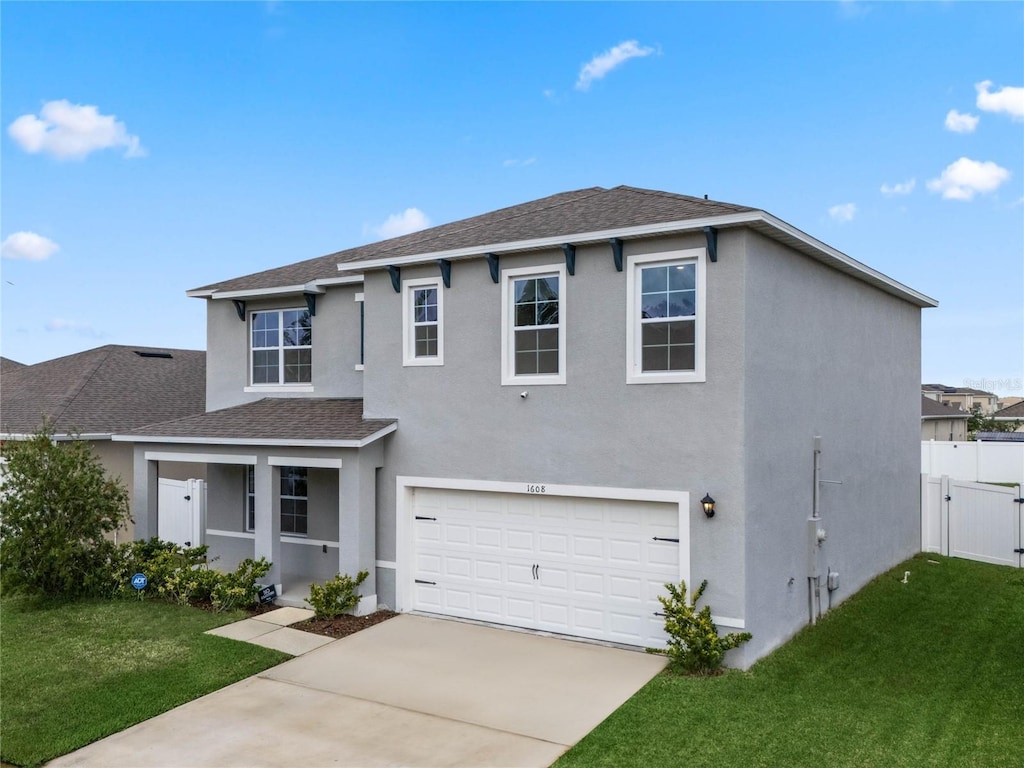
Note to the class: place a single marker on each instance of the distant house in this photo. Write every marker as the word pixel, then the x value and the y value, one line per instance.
pixel 95 393
pixel 942 422
pixel 964 398
pixel 1013 413
pixel 514 418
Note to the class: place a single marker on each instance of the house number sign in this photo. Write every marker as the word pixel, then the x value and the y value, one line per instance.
pixel 536 489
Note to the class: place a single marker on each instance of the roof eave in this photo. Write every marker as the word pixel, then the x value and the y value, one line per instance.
pixel 318 286
pixel 257 441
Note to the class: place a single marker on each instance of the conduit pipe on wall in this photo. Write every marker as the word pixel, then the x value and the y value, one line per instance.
pixel 815 537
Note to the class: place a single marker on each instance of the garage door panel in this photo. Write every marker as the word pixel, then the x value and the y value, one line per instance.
pixel 586 567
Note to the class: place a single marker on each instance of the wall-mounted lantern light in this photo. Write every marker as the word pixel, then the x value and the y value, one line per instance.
pixel 708 504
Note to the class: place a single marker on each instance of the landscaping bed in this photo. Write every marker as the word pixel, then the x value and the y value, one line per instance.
pixel 343 626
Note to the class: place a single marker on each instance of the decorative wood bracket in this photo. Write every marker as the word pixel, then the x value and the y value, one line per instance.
pixel 570 257
pixel 396 277
pixel 311 303
pixel 446 272
pixel 492 264
pixel 711 234
pixel 616 244
pixel 239 308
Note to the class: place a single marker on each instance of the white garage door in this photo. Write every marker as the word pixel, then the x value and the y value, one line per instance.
pixel 576 566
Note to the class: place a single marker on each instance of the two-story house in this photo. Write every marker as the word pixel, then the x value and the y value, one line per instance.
pixel 538 416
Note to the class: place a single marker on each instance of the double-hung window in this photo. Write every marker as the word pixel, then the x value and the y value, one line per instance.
pixel 422 320
pixel 293 496
pixel 250 498
pixel 665 305
pixel 281 347
pixel 533 325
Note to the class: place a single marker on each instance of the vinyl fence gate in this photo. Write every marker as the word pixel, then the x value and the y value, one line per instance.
pixel 977 521
pixel 181 511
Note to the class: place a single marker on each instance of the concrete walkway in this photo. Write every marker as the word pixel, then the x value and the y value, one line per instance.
pixel 411 691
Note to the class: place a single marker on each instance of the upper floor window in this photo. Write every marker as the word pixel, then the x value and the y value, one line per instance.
pixel 282 347
pixel 665 317
pixel 533 325
pixel 422 321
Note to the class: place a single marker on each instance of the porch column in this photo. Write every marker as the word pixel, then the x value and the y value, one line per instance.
pixel 268 519
pixel 146 493
pixel 357 528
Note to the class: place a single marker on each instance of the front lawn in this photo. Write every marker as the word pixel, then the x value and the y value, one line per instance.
pixel 71 673
pixel 927 673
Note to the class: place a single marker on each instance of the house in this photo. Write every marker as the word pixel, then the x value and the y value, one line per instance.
pixel 942 422
pixel 516 418
pixel 98 392
pixel 1014 414
pixel 966 399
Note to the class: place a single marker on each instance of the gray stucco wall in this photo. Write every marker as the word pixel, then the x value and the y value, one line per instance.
pixel 335 348
pixel 825 355
pixel 458 421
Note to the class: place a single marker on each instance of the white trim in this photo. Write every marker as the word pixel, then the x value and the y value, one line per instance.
pixel 300 539
pixel 256 441
pixel 231 534
pixel 276 388
pixel 508 278
pixel 58 438
pixel 359 367
pixel 818 249
pixel 405 485
pixel 390 564
pixel 313 286
pixel 634 351
pixel 199 458
pixel 408 324
pixel 303 461
pixel 360 296
pixel 729 622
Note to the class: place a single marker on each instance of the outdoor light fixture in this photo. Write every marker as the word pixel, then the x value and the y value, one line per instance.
pixel 709 505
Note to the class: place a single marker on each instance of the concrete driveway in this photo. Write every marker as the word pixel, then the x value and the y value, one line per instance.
pixel 411 691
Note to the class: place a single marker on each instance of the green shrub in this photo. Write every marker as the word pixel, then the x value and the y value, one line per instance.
pixel 166 566
pixel 694 645
pixel 239 589
pixel 336 596
pixel 57 506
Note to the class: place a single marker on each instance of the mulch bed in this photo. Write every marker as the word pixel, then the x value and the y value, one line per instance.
pixel 343 626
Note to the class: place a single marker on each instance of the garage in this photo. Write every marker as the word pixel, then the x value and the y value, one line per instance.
pixel 547 557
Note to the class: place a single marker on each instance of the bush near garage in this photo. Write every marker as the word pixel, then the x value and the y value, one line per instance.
pixel 336 596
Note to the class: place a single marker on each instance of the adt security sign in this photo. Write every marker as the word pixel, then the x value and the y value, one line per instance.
pixel 139 580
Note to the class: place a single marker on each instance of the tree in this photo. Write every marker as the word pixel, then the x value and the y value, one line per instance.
pixel 56 506
pixel 978 422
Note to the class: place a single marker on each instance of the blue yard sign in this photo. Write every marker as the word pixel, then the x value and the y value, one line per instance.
pixel 139 581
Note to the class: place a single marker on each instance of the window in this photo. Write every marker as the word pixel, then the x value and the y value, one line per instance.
pixel 665 323
pixel 533 326
pixel 250 499
pixel 293 501
pixel 282 347
pixel 362 331
pixel 422 321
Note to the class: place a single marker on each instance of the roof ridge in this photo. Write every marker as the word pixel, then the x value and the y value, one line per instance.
pixel 65 403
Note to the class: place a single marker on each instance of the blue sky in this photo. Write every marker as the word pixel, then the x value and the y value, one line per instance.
pixel 150 148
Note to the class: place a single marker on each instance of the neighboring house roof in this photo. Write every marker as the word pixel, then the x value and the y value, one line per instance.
pixel 1000 437
pixel 104 390
pixel 946 390
pixel 1015 411
pixel 334 422
pixel 7 365
pixel 589 215
pixel 930 409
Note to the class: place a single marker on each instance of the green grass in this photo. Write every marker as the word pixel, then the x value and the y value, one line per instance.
pixel 928 673
pixel 72 673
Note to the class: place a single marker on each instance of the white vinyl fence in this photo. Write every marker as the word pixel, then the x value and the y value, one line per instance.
pixel 977 521
pixel 979 462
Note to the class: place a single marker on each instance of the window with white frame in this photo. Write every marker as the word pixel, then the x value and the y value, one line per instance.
pixel 665 323
pixel 294 501
pixel 423 321
pixel 250 499
pixel 533 325
pixel 281 347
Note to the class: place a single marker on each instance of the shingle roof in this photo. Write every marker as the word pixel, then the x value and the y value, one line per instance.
pixel 1015 411
pixel 104 390
pixel 583 210
pixel 956 390
pixel 931 409
pixel 7 365
pixel 301 420
pixel 1000 437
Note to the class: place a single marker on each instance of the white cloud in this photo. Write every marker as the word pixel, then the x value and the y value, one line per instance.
pixel 959 122
pixel 904 188
pixel 28 246
pixel 843 213
pixel 60 325
pixel 409 220
pixel 965 178
pixel 67 130
pixel 1007 99
pixel 517 163
pixel 602 64
pixel 549 93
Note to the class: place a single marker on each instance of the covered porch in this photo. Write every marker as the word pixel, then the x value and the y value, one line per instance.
pixel 291 480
